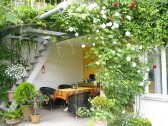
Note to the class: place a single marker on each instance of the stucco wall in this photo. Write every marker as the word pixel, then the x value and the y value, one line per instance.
pixel 155 108
pixel 64 69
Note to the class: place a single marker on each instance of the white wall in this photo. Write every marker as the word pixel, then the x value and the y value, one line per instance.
pixel 155 108
pixel 64 69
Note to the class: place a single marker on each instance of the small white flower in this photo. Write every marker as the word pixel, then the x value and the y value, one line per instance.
pixel 119 50
pixel 76 34
pixel 117 14
pixel 142 84
pixel 138 71
pixel 93 44
pixel 103 25
pixel 70 29
pixel 69 13
pixel 116 25
pixel 133 48
pixel 128 17
pixel 148 69
pixel 99 56
pixel 134 64
pixel 92 6
pixel 128 58
pixel 102 12
pixel 94 21
pixel 104 16
pixel 83 46
pixel 109 24
pixel 128 33
pixel 97 31
pixel 113 27
pixel 140 47
pixel 103 7
pixel 123 111
pixel 128 45
pixel 114 42
pixel 102 42
pixel 97 63
pixel 113 52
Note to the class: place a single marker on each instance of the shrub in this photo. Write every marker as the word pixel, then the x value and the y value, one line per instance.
pixel 23 92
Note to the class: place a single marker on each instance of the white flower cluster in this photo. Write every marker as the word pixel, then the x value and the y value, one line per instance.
pixel 14 71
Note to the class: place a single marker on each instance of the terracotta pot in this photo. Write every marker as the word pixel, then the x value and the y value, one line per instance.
pixel 12 121
pixel 28 110
pixel 11 95
pixel 35 118
pixel 100 123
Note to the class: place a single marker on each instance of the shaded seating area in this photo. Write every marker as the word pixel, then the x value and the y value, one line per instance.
pixel 77 100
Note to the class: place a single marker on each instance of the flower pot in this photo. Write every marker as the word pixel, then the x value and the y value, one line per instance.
pixel 27 112
pixel 100 123
pixel 11 95
pixel 12 121
pixel 35 118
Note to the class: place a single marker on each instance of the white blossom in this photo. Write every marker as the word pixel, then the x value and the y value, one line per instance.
pixel 114 42
pixel 103 25
pixel 148 69
pixel 128 33
pixel 128 17
pixel 138 71
pixel 134 64
pixel 102 12
pixel 128 58
pixel 128 45
pixel 116 25
pixel 99 56
pixel 142 84
pixel 92 6
pixel 103 7
pixel 119 50
pixel 94 21
pixel 104 16
pixel 83 46
pixel 70 29
pixel 140 47
pixel 97 31
pixel 113 27
pixel 102 42
pixel 93 44
pixel 97 63
pixel 133 48
pixel 117 14
pixel 123 111
pixel 76 34
pixel 109 24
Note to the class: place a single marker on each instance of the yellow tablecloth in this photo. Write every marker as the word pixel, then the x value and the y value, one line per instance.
pixel 65 93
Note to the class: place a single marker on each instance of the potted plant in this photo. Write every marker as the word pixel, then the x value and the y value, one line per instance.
pixel 22 93
pixel 12 73
pixel 12 117
pixel 37 99
pixel 100 111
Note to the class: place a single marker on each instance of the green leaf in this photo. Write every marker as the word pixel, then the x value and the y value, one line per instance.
pixel 11 17
pixel 1 2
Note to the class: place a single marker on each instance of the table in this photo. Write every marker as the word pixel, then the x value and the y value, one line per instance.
pixel 65 93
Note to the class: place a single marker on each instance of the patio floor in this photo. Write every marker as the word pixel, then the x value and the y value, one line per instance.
pixel 57 117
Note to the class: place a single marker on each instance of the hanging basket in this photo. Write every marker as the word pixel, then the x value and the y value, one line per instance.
pixel 35 118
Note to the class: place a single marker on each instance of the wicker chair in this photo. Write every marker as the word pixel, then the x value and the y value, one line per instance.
pixel 49 92
pixel 63 86
pixel 77 100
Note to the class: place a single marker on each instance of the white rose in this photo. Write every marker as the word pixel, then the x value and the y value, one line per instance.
pixel 114 42
pixel 97 31
pixel 142 84
pixel 103 25
pixel 109 24
pixel 104 16
pixel 70 29
pixel 93 44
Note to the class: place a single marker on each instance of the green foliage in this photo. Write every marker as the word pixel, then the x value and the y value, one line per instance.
pixel 138 121
pixel 15 114
pixel 37 99
pixel 23 92
pixel 101 109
